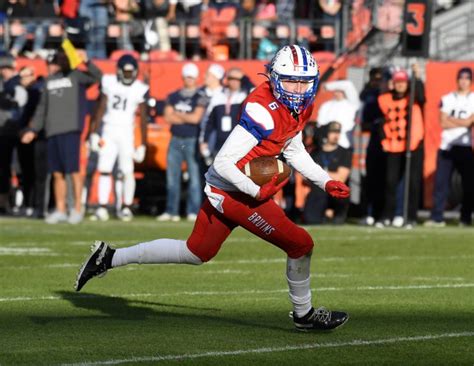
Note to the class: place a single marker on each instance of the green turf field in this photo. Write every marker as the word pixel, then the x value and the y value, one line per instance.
pixel 410 295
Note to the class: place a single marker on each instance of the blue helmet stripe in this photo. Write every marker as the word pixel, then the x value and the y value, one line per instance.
pixel 305 60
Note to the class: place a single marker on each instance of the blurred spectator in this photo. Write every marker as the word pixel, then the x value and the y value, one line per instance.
pixel 188 9
pixel 69 9
pixel 21 13
pixel 211 92
pixel 267 47
pixel 389 16
pixel 247 10
pixel 342 108
pixel 330 13
pixel 3 18
pixel 96 11
pixel 455 152
pixel 159 14
pixel 190 12
pixel 361 21
pixel 44 11
pixel 301 186
pixel 75 26
pixel 266 10
pixel 393 107
pixel 184 111
pixel 13 98
pixel 124 10
pixel 60 112
pixel 246 84
pixel 38 16
pixel 285 10
pixel 224 115
pixel 33 155
pixel 319 207
pixel 330 8
pixel 26 155
pixel 214 24
pixel 212 87
pixel 373 185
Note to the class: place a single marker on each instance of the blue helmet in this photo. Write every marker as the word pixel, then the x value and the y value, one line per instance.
pixel 294 63
pixel 127 69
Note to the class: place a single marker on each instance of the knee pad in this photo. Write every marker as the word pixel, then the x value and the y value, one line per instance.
pixel 303 244
pixel 204 254
pixel 204 250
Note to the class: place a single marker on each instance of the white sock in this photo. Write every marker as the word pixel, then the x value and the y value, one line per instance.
pixel 155 252
pixel 128 189
pixel 104 189
pixel 298 276
pixel 118 194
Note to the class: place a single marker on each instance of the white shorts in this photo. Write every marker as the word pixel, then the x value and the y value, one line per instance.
pixel 117 143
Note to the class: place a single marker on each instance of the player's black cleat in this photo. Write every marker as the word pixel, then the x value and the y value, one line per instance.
pixel 96 265
pixel 320 319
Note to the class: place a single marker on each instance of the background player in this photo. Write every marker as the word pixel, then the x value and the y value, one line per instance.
pixel 120 96
pixel 455 151
pixel 272 119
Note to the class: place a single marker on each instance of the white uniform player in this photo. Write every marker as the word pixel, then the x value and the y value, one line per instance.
pixel 455 151
pixel 458 106
pixel 121 94
pixel 342 108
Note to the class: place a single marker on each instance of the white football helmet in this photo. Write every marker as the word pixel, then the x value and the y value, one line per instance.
pixel 294 63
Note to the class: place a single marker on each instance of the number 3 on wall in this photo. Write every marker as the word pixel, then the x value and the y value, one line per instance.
pixel 416 21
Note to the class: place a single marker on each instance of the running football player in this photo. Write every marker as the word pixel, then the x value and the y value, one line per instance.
pixel 271 121
pixel 120 96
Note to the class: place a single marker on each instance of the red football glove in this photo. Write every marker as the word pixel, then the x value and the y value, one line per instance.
pixel 270 188
pixel 337 189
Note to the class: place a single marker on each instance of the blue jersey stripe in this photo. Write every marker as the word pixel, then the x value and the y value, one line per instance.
pixel 255 128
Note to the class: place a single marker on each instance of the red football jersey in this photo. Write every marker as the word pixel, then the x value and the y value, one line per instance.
pixel 270 122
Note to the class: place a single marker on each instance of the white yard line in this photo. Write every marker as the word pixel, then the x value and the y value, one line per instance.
pixel 241 272
pixel 345 259
pixel 288 348
pixel 246 292
pixel 26 251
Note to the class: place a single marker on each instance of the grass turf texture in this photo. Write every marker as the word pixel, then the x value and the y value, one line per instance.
pixel 410 295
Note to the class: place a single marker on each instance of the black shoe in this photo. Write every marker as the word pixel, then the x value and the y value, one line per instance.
pixel 320 319
pixel 96 265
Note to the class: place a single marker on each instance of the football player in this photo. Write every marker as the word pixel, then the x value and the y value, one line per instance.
pixel 271 121
pixel 120 96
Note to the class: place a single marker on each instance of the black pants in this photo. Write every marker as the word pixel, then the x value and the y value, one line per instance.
pixel 460 158
pixel 26 158
pixel 395 172
pixel 41 175
pixel 7 145
pixel 376 163
pixel 316 204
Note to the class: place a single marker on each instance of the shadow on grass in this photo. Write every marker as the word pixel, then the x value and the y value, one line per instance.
pixel 116 308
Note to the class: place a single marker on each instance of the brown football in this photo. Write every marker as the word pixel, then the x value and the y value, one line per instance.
pixel 262 169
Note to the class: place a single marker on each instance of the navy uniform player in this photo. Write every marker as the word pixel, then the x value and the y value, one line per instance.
pixel 120 96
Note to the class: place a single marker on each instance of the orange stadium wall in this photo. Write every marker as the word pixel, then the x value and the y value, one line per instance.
pixel 164 77
pixel 440 80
